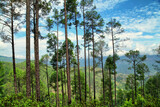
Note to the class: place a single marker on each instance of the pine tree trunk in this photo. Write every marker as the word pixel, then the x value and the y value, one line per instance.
pixel 47 81
pixel 62 89
pixel 110 88
pixel 135 79
pixel 57 98
pixel 132 94
pixel 79 81
pixel 89 73
pixel 94 88
pixel 75 81
pixel 36 48
pixel 114 63
pixel 28 66
pixel 13 51
pixel 85 55
pixel 103 76
pixel 67 57
pixel 143 88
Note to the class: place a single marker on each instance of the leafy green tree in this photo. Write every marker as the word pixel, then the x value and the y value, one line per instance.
pixel 141 70
pixel 120 97
pixel 114 27
pixel 2 79
pixel 45 60
pixel 134 58
pixel 109 66
pixel 100 47
pixel 130 86
pixel 152 86
pixel 82 86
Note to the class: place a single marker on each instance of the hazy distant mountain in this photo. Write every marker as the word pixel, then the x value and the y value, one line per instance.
pixel 122 66
pixel 9 59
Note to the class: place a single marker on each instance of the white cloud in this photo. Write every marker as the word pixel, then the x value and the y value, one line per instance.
pixel 102 5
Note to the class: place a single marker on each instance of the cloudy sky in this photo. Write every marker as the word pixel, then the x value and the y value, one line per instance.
pixel 139 18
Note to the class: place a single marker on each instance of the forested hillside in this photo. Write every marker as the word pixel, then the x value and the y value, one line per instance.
pixel 79 53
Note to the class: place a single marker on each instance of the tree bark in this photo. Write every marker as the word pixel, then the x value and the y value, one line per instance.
pixel 28 66
pixel 110 88
pixel 103 76
pixel 94 88
pixel 75 80
pixel 13 50
pixel 62 89
pixel 79 81
pixel 36 48
pixel 143 88
pixel 57 98
pixel 67 58
pixel 47 81
pixel 114 65
pixel 135 79
pixel 85 55
pixel 89 73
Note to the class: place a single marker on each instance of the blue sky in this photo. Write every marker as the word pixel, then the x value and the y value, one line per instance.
pixel 139 18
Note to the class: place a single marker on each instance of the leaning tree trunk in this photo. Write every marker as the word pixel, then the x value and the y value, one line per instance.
pixel 67 57
pixel 36 48
pixel 13 51
pixel 28 66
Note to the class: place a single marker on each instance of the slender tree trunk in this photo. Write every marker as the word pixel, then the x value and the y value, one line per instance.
pixel 114 63
pixel 110 88
pixel 13 51
pixel 103 76
pixel 94 88
pixel 62 89
pixel 19 86
pixel 75 80
pixel 28 66
pixel 135 79
pixel 65 82
pixel 57 98
pixel 79 81
pixel 36 47
pixel 132 94
pixel 47 81
pixel 85 55
pixel 32 85
pixel 143 88
pixel 89 73
pixel 67 58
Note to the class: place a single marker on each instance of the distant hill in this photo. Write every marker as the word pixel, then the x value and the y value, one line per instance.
pixel 9 59
pixel 122 66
